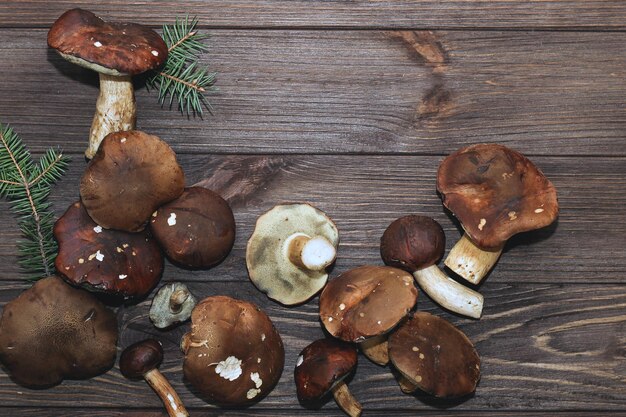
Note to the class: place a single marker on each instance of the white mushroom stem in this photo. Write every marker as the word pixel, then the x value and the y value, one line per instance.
pixel 177 299
pixel 310 253
pixel 115 110
pixel 171 400
pixel 345 400
pixel 470 261
pixel 376 349
pixel 448 293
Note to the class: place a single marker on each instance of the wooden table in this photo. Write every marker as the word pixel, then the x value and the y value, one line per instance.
pixel 351 105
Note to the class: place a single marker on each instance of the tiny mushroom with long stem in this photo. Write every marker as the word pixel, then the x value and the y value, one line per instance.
pixel 171 305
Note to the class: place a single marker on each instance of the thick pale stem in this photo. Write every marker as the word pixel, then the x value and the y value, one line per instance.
pixel 471 262
pixel 177 299
pixel 376 349
pixel 345 400
pixel 171 400
pixel 310 253
pixel 406 385
pixel 115 110
pixel 448 293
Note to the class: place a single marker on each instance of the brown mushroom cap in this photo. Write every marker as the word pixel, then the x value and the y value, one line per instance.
pixel 53 331
pixel 366 301
pixel 197 230
pixel 132 174
pixel 118 263
pixel 434 355
pixel 233 354
pixel 141 357
pixel 495 192
pixel 111 48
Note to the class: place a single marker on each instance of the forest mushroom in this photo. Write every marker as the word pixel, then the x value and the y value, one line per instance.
pixel 53 331
pixel 196 230
pixel 121 264
pixel 289 251
pixel 117 51
pixel 132 174
pixel 142 360
pixel 321 368
pixel 171 305
pixel 415 244
pixel 234 355
pixel 367 302
pixel 434 356
pixel 495 192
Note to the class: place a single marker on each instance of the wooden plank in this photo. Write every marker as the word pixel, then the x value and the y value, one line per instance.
pixel 377 92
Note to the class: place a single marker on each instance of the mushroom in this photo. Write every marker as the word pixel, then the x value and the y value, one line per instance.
pixel 116 51
pixel 434 356
pixel 321 368
pixel 142 360
pixel 122 264
pixel 495 192
pixel 289 251
pixel 171 305
pixel 197 230
pixel 367 302
pixel 53 331
pixel 415 244
pixel 132 174
pixel 234 355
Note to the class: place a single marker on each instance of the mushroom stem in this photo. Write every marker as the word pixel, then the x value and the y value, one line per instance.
pixel 375 349
pixel 310 253
pixel 470 261
pixel 345 400
pixel 448 293
pixel 160 385
pixel 115 110
pixel 177 299
pixel 406 385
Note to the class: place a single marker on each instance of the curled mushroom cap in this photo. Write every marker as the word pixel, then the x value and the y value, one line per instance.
pixel 122 264
pixel 233 354
pixel 53 331
pixel 171 305
pixel 132 174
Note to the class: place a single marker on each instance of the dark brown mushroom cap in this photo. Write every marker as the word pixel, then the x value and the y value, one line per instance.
pixel 412 243
pixel 435 356
pixel 495 192
pixel 321 365
pixel 197 230
pixel 140 358
pixel 366 301
pixel 132 174
pixel 53 331
pixel 118 263
pixel 233 354
pixel 112 48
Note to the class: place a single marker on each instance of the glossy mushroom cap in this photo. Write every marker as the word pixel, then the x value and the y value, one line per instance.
pixel 197 230
pixel 132 174
pixel 435 356
pixel 367 301
pixel 234 355
pixel 495 192
pixel 127 265
pixel 110 48
pixel 141 357
pixel 53 331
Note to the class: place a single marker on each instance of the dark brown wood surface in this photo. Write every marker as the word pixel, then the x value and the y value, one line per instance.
pixel 351 106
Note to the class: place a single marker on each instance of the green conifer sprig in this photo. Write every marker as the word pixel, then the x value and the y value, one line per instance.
pixel 26 185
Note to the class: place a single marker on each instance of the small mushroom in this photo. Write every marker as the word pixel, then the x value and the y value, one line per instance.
pixel 142 360
pixel 321 368
pixel 495 192
pixel 415 244
pixel 171 305
pixel 367 302
pixel 289 251
pixel 53 331
pixel 132 174
pixel 116 51
pixel 234 355
pixel 434 356
pixel 197 230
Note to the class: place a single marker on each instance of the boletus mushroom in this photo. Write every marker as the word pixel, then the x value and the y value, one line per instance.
pixel 171 305
pixel 234 355
pixel 116 51
pixel 495 192
pixel 53 331
pixel 415 244
pixel 321 368
pixel 289 251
